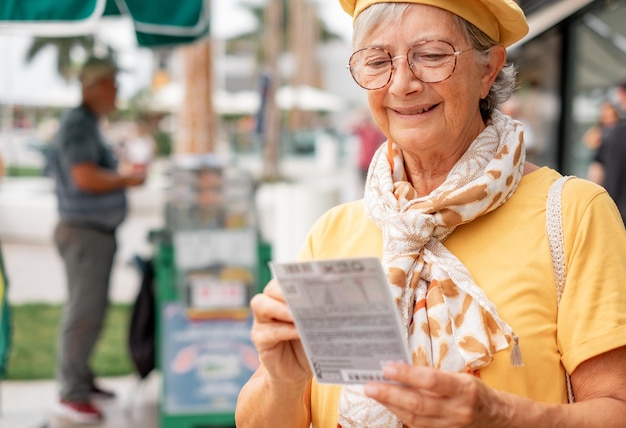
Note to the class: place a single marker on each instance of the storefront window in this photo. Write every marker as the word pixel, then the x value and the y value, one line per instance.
pixel 538 97
pixel 598 51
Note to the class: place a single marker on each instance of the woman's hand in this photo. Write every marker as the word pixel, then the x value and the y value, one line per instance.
pixel 276 338
pixel 428 397
pixel 278 390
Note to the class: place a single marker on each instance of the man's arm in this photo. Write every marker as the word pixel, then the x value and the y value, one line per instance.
pixel 89 177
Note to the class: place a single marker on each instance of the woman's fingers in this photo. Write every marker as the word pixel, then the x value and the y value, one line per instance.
pixel 425 396
pixel 270 333
pixel 438 382
pixel 270 306
pixel 272 289
pixel 276 339
pixel 273 323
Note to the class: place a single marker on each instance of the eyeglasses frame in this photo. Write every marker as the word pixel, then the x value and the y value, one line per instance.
pixel 455 53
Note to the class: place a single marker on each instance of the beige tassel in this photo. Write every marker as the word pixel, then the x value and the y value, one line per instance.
pixel 516 353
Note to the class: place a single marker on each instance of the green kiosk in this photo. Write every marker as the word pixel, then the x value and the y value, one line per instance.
pixel 208 264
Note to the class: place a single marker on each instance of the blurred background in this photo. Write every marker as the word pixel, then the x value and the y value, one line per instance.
pixel 263 82
pixel 254 88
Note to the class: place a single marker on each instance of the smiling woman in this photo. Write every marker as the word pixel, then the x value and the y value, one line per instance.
pixel 440 201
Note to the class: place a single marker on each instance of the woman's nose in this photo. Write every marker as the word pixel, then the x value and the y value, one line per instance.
pixel 402 74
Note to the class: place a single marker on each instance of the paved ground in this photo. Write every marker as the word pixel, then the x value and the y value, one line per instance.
pixel 36 275
pixel 31 404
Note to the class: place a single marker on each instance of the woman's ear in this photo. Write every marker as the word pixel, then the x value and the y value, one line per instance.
pixel 497 59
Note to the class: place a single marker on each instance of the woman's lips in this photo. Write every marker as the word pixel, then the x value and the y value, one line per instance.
pixel 415 111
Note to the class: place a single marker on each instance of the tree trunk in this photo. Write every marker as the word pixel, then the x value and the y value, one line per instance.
pixel 304 31
pixel 196 116
pixel 271 128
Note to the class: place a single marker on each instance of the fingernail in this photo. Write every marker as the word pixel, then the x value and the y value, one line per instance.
pixel 370 390
pixel 390 371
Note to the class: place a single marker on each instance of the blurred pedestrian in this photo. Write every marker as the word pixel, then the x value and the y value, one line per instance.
pixel 609 165
pixel 370 139
pixel 92 204
pixel 609 116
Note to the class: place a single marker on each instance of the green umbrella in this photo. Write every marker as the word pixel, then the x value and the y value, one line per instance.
pixel 156 22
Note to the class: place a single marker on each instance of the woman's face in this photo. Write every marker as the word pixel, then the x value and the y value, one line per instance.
pixel 437 118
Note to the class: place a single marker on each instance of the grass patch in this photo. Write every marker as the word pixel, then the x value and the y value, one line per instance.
pixel 35 329
pixel 23 171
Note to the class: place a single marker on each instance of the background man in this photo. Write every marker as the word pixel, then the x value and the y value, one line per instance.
pixel 92 204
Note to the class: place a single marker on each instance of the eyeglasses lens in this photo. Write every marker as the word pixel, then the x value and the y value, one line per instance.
pixel 430 62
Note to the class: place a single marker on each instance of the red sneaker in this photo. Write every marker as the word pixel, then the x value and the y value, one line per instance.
pixel 80 411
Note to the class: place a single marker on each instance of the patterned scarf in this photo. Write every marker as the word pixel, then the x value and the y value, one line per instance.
pixel 449 322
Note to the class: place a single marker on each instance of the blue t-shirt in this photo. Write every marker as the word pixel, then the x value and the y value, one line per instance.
pixel 79 140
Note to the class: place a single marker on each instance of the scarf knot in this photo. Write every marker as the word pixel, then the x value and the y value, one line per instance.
pixel 406 232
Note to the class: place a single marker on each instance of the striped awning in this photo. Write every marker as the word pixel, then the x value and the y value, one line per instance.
pixel 156 22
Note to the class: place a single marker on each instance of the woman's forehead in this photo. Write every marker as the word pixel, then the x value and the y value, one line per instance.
pixel 417 23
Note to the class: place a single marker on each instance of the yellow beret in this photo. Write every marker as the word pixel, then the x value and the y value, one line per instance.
pixel 502 20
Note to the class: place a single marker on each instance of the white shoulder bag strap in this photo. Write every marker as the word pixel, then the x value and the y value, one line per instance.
pixel 554 226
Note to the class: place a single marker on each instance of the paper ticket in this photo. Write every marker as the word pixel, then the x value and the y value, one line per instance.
pixel 348 322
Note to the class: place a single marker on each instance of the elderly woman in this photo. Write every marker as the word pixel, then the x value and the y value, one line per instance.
pixel 456 215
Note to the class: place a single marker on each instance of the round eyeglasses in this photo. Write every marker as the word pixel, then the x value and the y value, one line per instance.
pixel 431 61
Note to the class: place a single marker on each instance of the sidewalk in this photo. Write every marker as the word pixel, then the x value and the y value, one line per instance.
pixel 36 274
pixel 31 404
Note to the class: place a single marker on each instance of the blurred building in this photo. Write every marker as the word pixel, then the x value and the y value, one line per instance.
pixel 568 65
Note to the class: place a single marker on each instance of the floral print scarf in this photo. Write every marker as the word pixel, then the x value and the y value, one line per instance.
pixel 449 322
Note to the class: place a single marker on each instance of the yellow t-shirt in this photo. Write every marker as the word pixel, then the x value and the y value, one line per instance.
pixel 508 254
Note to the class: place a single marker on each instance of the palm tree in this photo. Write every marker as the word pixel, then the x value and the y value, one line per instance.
pixel 273 40
pixel 300 20
pixel 197 118
pixel 305 31
pixel 252 41
pixel 64 47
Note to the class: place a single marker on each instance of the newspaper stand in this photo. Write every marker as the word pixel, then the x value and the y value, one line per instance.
pixel 206 270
